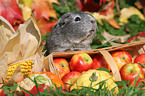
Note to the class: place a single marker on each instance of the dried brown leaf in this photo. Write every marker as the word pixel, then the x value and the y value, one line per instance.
pixel 12 48
pixel 3 68
pixel 6 31
pixel 16 77
pixel 110 38
pixel 38 63
pixel 30 38
pixel 24 43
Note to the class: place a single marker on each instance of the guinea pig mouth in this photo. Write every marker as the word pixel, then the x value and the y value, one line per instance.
pixel 90 33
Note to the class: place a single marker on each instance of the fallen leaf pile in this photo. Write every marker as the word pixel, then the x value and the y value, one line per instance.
pixel 18 11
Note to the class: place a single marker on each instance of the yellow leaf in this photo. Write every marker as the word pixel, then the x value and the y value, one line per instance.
pixel 25 6
pixel 127 12
pixel 99 17
pixel 26 11
pixel 54 1
pixel 27 3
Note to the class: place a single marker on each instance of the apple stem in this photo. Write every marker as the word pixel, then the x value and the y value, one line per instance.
pixel 124 58
pixel 62 65
pixel 86 59
pixel 131 71
pixel 141 65
pixel 93 77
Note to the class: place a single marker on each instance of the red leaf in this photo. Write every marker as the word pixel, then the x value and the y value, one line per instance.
pixel 9 10
pixel 108 8
pixel 46 25
pixel 139 36
pixel 89 5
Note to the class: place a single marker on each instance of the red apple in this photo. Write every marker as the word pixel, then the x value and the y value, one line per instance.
pixel 144 71
pixel 121 57
pixel 138 81
pixel 130 71
pixel 99 61
pixel 70 78
pixel 62 66
pixel 141 59
pixel 81 62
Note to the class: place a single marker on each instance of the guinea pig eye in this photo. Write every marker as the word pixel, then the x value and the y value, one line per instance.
pixel 77 19
pixel 61 24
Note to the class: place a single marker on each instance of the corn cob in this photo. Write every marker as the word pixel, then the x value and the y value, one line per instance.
pixel 25 66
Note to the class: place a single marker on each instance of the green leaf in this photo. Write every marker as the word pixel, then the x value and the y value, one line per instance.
pixel 104 69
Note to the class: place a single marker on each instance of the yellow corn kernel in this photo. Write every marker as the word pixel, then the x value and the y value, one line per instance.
pixel 26 67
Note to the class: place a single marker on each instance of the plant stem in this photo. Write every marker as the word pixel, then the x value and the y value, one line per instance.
pixel 117 5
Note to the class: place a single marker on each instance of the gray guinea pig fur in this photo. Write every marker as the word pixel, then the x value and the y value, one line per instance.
pixel 73 31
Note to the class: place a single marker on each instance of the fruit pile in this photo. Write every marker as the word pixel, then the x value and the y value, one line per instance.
pixel 72 69
pixel 85 70
pixel 80 71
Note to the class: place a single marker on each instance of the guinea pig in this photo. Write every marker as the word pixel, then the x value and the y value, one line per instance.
pixel 73 31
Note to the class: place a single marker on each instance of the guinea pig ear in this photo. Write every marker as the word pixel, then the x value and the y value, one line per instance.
pixel 63 19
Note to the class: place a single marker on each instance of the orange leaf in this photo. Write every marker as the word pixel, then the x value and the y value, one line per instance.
pixel 45 25
pixel 9 10
pixel 140 4
pixel 113 23
pixel 43 8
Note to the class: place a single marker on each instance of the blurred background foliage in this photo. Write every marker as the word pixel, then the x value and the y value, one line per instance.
pixel 119 21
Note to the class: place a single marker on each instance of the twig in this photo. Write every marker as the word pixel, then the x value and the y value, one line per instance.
pixel 117 5
pixel 141 65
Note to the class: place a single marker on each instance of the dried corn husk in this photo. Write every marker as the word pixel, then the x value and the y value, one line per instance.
pixel 20 46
